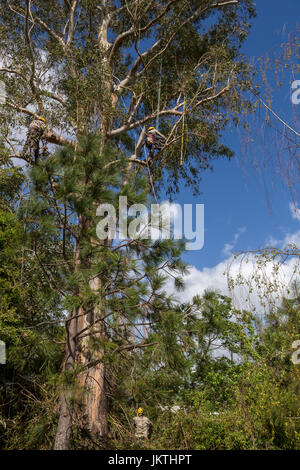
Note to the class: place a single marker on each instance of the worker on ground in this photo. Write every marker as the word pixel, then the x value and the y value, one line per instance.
pixel 34 135
pixel 142 425
pixel 154 140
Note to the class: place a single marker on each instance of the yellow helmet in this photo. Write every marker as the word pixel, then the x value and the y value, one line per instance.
pixel 140 411
pixel 42 119
pixel 150 128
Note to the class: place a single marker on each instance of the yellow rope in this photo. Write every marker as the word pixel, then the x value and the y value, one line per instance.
pixel 182 137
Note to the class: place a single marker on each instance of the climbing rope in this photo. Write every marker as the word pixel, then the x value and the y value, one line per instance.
pixel 23 252
pixel 158 99
pixel 182 135
pixel 22 266
pixel 150 176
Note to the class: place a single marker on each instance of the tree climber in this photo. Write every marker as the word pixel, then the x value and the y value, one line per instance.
pixel 34 135
pixel 154 140
pixel 142 425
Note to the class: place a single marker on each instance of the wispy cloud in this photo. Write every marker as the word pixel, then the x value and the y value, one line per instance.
pixel 295 211
pixel 228 247
pixel 288 239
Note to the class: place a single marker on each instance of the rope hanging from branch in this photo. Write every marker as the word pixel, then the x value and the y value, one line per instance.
pixel 182 135
pixel 158 99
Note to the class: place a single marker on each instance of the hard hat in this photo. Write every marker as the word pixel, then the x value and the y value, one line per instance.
pixel 140 411
pixel 150 128
pixel 42 119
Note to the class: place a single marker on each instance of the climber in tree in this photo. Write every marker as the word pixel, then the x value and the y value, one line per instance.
pixel 154 140
pixel 33 138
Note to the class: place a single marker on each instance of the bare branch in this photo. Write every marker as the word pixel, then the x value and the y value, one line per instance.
pixel 16 72
pixel 138 102
pixel 134 346
pixel 225 4
pixel 103 31
pixel 135 66
pixel 215 96
pixel 52 33
pixel 141 122
pixel 119 40
pixel 53 138
pixel 21 109
pixel 71 23
pixel 53 96
pixel 138 146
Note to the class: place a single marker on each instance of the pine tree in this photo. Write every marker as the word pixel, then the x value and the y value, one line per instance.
pixel 104 320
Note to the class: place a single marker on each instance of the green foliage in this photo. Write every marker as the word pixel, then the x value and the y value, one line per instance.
pixel 203 400
pixel 28 316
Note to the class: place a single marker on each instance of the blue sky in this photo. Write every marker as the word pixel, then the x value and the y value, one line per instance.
pixel 242 209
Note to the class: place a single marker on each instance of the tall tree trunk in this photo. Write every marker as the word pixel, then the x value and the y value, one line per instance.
pixel 87 401
pixel 65 422
pixel 95 401
pixel 92 379
pixel 64 428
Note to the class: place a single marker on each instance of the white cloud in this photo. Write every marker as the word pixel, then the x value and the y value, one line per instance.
pixel 289 238
pixel 293 238
pixel 268 283
pixel 295 211
pixel 228 247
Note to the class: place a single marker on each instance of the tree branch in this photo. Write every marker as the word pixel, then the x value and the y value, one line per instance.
pixel 53 138
pixel 16 72
pixel 127 127
pixel 71 23
pixel 141 57
pixel 52 33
